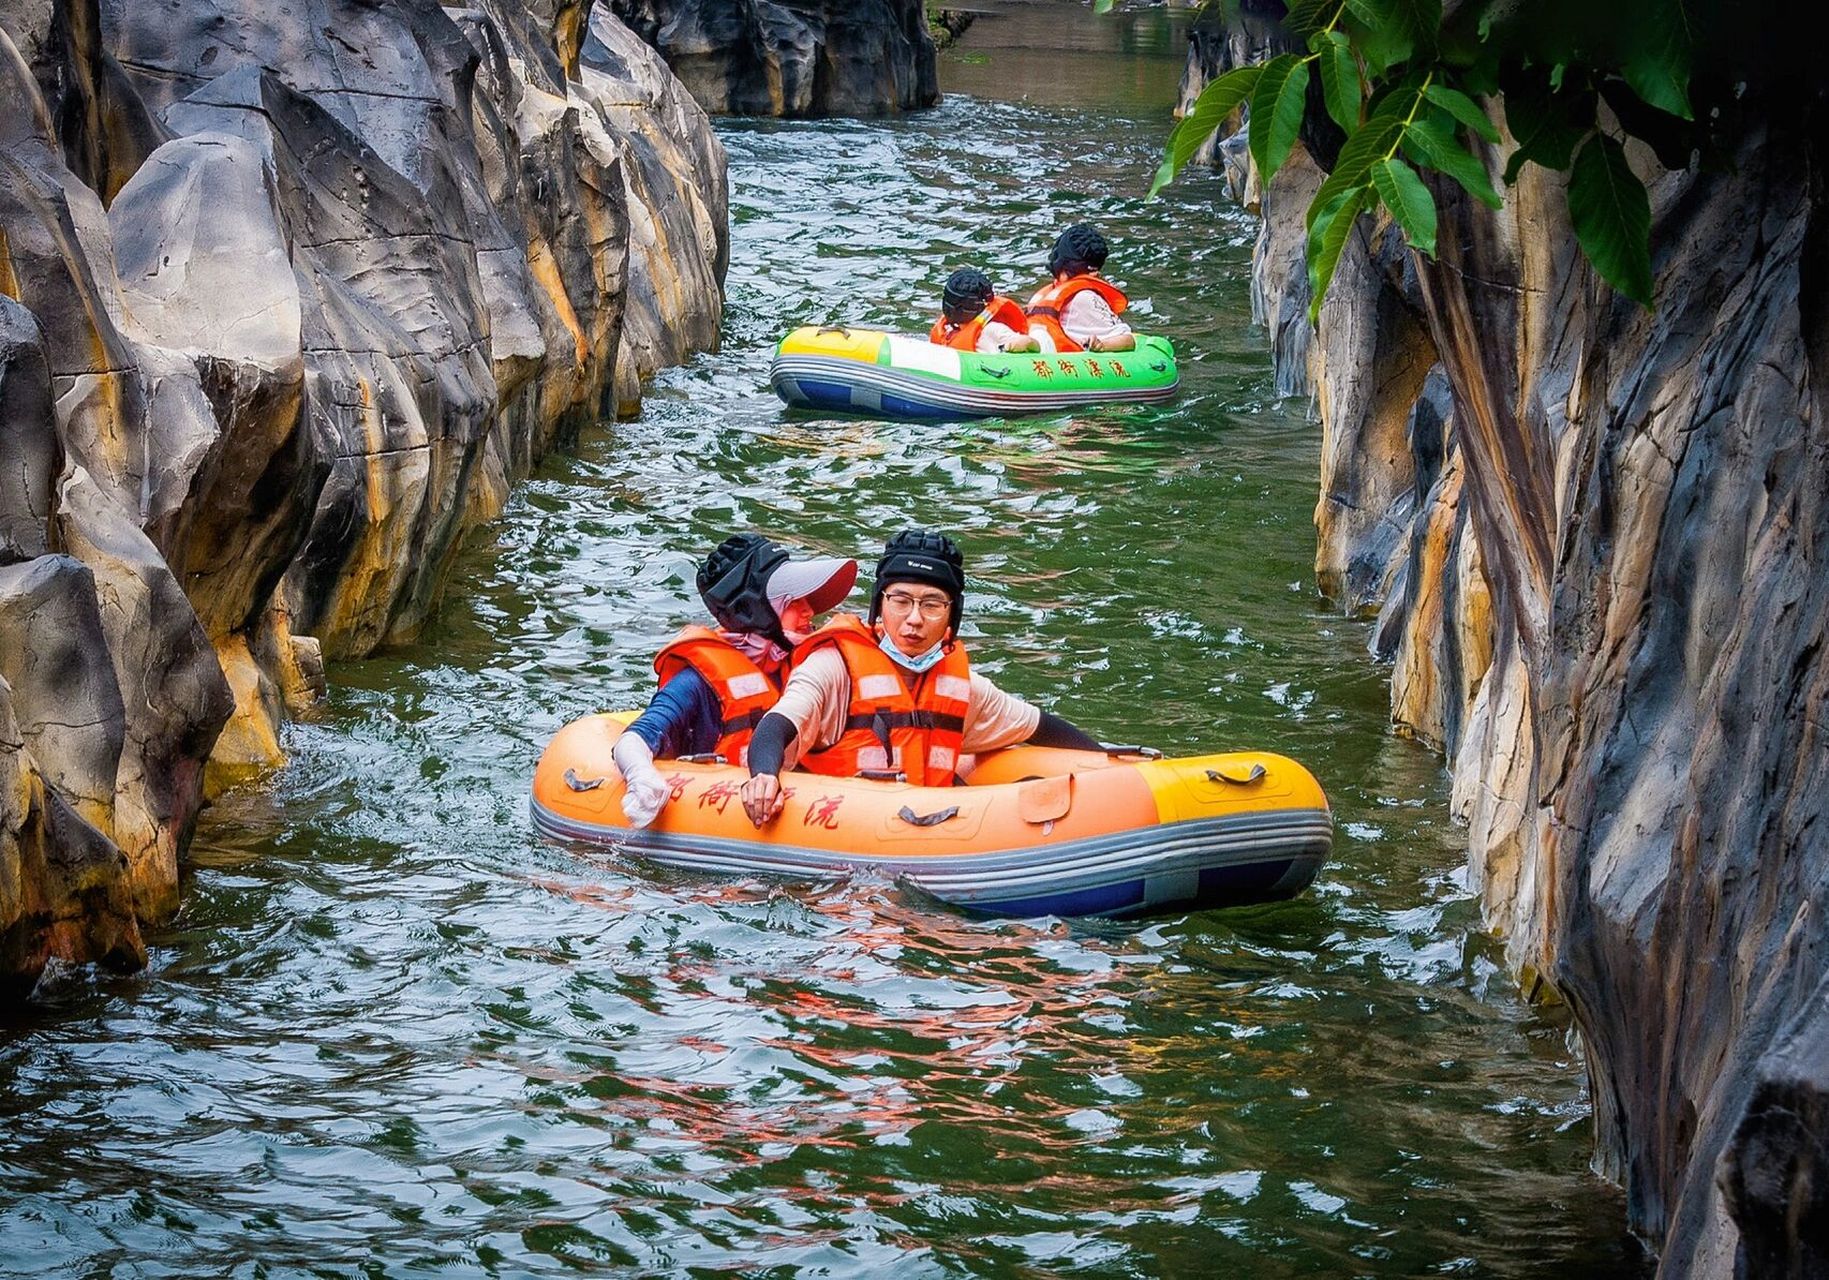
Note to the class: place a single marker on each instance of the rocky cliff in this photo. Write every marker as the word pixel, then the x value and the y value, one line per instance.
pixel 290 297
pixel 794 57
pixel 1594 539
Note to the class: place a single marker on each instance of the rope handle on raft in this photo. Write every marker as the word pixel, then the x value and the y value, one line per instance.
pixel 576 783
pixel 994 371
pixel 1113 749
pixel 933 819
pixel 703 757
pixel 1220 775
pixel 835 328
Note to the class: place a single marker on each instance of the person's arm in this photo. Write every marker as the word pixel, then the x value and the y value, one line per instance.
pixel 761 795
pixel 995 719
pixel 677 720
pixel 798 713
pixel 997 337
pixel 1089 320
pixel 681 720
pixel 1052 731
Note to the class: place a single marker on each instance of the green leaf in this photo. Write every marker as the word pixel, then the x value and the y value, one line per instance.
pixel 1409 201
pixel 1383 35
pixel 1308 16
pixel 1612 216
pixel 1276 112
pixel 1340 86
pixel 1353 168
pixel 1326 239
pixel 1548 126
pixel 1462 108
pixel 1657 59
pixel 1422 19
pixel 1217 101
pixel 1437 148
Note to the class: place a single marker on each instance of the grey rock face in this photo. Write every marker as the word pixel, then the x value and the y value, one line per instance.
pixel 794 57
pixel 290 297
pixel 63 884
pixel 66 702
pixel 174 696
pixel 1596 537
pixel 32 455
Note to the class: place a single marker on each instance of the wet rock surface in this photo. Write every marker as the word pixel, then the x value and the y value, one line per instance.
pixel 1594 539
pixel 290 298
pixel 794 57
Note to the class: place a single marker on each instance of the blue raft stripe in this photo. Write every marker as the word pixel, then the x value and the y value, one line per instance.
pixel 1103 900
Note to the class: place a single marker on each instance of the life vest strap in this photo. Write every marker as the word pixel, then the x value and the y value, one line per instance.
pixel 907 720
pixel 741 721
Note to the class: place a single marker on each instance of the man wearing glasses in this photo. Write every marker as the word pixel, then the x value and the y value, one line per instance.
pixel 894 697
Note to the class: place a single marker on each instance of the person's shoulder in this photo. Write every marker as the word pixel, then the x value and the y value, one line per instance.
pixel 822 666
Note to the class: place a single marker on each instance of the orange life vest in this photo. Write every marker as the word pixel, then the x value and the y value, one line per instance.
pixel 965 336
pixel 889 726
pixel 745 692
pixel 1050 303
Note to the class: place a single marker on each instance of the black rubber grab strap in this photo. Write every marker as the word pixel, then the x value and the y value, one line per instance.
pixel 576 783
pixel 933 819
pixel 1256 775
pixel 1132 749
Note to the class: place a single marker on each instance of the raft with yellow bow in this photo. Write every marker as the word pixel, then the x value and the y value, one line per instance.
pixel 1034 831
pixel 891 375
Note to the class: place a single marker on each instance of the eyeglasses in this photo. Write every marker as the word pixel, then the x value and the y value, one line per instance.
pixel 931 607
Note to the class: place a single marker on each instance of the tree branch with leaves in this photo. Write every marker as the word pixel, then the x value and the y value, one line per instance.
pixel 1403 81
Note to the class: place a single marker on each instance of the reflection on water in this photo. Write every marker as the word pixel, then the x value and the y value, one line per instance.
pixel 394 1032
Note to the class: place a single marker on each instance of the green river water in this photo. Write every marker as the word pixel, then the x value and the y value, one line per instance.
pixel 393 1032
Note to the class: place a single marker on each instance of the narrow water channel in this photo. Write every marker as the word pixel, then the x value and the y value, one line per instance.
pixel 392 1032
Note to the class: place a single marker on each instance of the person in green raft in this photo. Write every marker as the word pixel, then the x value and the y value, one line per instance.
pixel 974 318
pixel 1078 310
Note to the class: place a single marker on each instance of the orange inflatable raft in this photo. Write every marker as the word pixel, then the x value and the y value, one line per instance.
pixel 1035 831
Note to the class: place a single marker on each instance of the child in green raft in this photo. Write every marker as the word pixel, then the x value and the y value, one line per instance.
pixel 974 318
pixel 1078 310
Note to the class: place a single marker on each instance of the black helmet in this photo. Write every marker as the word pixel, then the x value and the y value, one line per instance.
pixel 968 291
pixel 1079 249
pixel 920 555
pixel 733 582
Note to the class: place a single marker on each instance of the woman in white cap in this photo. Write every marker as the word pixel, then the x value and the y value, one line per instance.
pixel 715 686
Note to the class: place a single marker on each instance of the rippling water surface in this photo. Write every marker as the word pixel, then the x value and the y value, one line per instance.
pixel 392 1032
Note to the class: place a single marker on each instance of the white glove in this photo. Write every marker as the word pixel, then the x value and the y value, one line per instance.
pixel 644 790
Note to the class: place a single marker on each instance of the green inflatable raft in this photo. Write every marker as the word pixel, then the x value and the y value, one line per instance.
pixel 892 375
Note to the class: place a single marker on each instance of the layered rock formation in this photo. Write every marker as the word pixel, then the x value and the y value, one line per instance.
pixel 289 299
pixel 1594 538
pixel 794 57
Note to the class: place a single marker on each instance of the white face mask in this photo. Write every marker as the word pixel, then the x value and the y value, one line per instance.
pixel 920 664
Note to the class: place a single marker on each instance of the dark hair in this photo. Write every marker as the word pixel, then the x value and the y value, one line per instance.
pixel 967 292
pixel 1080 248
pixel 920 555
pixel 733 582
